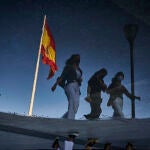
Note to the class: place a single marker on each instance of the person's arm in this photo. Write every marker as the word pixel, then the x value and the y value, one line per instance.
pixel 103 85
pixel 88 90
pixel 88 98
pixel 59 79
pixel 128 94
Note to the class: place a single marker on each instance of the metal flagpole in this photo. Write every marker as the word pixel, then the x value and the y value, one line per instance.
pixel 36 73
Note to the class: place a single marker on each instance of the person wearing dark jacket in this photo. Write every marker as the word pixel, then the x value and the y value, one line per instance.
pixel 70 80
pixel 56 145
pixel 95 86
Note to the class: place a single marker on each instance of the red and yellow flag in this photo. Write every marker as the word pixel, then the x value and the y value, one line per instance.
pixel 48 50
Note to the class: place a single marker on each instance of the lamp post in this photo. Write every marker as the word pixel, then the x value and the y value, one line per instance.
pixel 130 31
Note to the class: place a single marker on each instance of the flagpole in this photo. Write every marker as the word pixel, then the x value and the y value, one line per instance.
pixel 36 73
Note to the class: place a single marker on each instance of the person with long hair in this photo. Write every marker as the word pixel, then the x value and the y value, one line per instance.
pixel 116 91
pixel 70 80
pixel 95 86
pixel 56 145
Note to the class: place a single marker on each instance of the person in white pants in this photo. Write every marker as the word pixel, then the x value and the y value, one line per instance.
pixel 117 105
pixel 116 91
pixel 70 80
pixel 69 142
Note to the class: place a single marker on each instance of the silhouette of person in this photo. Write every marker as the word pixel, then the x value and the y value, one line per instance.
pixel 69 142
pixel 116 91
pixel 91 142
pixel 55 144
pixel 95 86
pixel 70 80
pixel 129 146
pixel 107 146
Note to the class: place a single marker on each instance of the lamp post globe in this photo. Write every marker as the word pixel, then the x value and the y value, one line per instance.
pixel 130 31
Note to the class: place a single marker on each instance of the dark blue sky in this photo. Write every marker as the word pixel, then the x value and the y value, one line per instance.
pixel 94 29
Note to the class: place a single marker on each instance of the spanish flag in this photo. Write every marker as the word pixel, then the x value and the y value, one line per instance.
pixel 48 50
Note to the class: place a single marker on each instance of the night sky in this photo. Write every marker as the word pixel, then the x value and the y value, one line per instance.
pixel 91 28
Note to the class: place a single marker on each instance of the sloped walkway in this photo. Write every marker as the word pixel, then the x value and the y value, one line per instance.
pixel 118 132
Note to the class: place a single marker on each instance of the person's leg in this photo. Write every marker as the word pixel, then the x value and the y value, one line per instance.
pixel 118 106
pixel 95 106
pixel 72 92
pixel 92 105
pixel 92 113
pixel 76 97
pixel 65 115
pixel 88 116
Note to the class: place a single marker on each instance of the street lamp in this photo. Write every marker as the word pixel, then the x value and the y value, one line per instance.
pixel 130 31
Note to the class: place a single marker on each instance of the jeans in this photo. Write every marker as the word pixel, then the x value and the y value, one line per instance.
pixel 72 91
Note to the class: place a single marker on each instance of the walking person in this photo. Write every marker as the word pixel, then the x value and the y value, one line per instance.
pixel 70 80
pixel 107 146
pixel 56 145
pixel 129 146
pixel 95 86
pixel 90 143
pixel 116 91
pixel 69 142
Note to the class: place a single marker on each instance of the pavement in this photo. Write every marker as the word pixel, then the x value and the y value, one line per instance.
pixel 24 132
